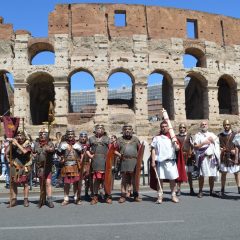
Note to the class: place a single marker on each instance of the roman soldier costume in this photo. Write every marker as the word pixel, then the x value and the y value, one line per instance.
pixel 20 167
pixel 128 151
pixel 87 176
pixel 229 160
pixel 99 144
pixel 43 151
pixel 186 149
pixel 71 151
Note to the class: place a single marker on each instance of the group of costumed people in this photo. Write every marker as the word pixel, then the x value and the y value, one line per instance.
pixel 173 159
pixel 80 160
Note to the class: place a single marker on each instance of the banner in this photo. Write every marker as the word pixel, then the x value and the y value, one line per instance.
pixel 10 125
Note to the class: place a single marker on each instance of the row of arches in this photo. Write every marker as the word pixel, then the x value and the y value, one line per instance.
pixel 41 91
pixel 192 58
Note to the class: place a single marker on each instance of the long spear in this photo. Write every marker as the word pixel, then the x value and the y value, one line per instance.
pixel 51 118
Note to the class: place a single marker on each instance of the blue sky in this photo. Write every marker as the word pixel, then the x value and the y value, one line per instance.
pixel 32 15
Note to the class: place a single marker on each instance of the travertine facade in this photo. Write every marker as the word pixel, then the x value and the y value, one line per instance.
pixel 84 37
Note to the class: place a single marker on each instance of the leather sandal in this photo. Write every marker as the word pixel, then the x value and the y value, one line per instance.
pixel 94 200
pixel 159 200
pixel 12 203
pixel 78 202
pixel 64 203
pixel 109 201
pixel 26 202
pixel 122 200
pixel 200 195
pixel 175 199
pixel 137 199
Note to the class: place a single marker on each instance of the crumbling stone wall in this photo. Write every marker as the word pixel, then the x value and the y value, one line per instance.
pixel 84 37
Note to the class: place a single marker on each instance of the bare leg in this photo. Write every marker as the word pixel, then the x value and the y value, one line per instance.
pixel 49 187
pixel 237 178
pixel 223 181
pixel 200 183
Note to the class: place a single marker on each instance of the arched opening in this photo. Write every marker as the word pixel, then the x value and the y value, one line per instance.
pixel 196 97
pixel 189 61
pixel 120 90
pixel 160 95
pixel 41 92
pixel 82 92
pixel 41 53
pixel 43 58
pixel 6 93
pixel 194 57
pixel 227 95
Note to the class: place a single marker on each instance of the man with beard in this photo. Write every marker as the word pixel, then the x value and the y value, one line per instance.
pixel 20 168
pixel 163 155
pixel 99 144
pixel 187 149
pixel 207 149
pixel 43 150
pixel 229 158
pixel 128 149
pixel 83 140
pixel 71 153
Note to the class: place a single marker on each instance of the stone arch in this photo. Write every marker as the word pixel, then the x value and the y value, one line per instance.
pixel 167 91
pixel 85 100
pixel 122 95
pixel 198 54
pixel 41 92
pixel 196 96
pixel 39 47
pixel 6 93
pixel 227 95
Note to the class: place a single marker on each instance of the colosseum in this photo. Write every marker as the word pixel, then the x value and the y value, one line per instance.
pixel 85 37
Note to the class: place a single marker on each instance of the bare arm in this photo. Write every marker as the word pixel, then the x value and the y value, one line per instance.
pixel 153 156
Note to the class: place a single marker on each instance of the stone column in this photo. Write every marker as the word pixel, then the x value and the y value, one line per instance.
pixel 238 99
pixel 101 93
pixel 22 102
pixel 61 101
pixel 213 105
pixel 141 108
pixel 179 105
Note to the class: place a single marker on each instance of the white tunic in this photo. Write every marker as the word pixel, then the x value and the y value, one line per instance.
pixel 208 167
pixel 165 157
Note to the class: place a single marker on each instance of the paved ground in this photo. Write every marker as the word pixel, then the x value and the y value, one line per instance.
pixel 192 218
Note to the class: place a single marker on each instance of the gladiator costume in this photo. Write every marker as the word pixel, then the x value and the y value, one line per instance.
pixel 128 149
pixel 229 158
pixel 70 151
pixel 44 150
pixel 99 149
pixel 20 168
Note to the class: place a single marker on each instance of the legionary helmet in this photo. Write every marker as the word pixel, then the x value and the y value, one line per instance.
pixel 98 126
pixel 126 126
pixel 83 134
pixel 226 122
pixel 70 130
pixel 43 130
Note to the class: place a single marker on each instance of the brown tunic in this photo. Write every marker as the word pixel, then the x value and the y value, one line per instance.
pixel 129 150
pixel 226 144
pixel 188 154
pixel 99 147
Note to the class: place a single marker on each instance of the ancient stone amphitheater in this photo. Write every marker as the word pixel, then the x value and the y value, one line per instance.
pixel 84 37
